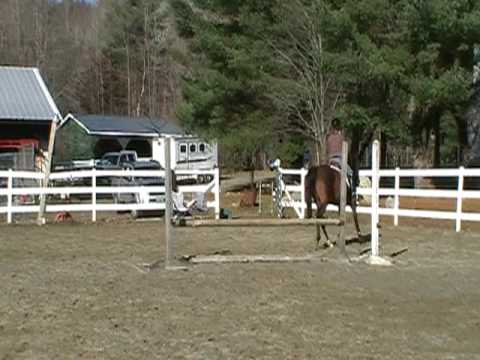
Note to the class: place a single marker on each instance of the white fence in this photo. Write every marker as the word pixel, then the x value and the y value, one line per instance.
pixel 293 195
pixel 16 185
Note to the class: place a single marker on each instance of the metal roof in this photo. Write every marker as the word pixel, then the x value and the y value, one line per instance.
pixel 24 96
pixel 110 125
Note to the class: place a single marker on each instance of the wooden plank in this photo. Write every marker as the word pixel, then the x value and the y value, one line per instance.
pixel 257 222
pixel 239 259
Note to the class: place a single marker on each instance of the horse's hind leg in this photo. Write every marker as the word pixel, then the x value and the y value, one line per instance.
pixel 355 217
pixel 318 237
pixel 321 208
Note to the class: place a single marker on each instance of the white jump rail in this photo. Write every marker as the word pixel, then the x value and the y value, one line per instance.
pixel 11 191
pixel 294 195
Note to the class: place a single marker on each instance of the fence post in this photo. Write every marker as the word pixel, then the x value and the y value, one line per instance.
pixel 260 197
pixel 375 200
pixel 303 173
pixel 9 196
pixel 343 198
pixel 458 224
pixel 94 195
pixel 217 193
pixel 170 241
pixel 375 258
pixel 396 205
pixel 273 197
pixel 48 168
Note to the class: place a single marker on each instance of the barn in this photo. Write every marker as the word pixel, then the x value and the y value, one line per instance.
pixel 27 112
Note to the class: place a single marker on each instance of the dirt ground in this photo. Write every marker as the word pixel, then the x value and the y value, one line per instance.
pixel 73 291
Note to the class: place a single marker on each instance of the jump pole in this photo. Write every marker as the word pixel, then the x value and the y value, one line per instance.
pixel 375 258
pixel 244 259
pixel 257 222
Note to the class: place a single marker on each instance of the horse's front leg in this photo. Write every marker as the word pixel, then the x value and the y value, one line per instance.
pixel 318 237
pixel 324 228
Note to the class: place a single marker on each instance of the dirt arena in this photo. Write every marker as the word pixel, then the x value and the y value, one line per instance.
pixel 75 291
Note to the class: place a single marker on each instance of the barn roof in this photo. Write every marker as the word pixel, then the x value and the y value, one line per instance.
pixel 24 95
pixel 110 125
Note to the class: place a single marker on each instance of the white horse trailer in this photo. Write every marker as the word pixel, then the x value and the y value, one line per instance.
pixel 187 153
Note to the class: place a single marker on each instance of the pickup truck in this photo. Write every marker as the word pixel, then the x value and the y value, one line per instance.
pixel 125 160
pixel 129 160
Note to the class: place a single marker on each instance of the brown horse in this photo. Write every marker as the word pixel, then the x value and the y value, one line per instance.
pixel 322 184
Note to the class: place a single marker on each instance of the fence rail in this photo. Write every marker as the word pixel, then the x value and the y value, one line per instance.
pixel 145 196
pixel 293 195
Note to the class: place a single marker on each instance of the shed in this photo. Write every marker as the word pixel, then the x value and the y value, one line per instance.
pixel 85 137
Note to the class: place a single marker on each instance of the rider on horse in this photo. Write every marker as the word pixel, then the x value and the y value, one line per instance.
pixel 335 139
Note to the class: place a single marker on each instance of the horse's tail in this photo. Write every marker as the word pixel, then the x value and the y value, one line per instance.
pixel 308 193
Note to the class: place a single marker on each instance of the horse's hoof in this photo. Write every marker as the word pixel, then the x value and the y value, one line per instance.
pixel 328 245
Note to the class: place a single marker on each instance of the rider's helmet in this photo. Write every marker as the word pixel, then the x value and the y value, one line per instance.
pixel 336 124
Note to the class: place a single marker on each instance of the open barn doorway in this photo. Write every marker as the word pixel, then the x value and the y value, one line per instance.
pixel 106 145
pixel 142 147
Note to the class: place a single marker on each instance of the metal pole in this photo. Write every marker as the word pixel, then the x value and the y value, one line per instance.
pixel 343 198
pixel 170 243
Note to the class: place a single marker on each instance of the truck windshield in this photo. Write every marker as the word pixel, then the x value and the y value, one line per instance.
pixel 130 157
pixel 112 159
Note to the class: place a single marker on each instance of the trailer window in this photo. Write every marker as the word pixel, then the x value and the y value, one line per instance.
pixel 193 148
pixel 183 148
pixel 202 148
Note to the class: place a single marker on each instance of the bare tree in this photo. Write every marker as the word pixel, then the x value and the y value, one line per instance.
pixel 308 92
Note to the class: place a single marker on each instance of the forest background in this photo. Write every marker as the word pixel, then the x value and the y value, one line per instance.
pixel 265 78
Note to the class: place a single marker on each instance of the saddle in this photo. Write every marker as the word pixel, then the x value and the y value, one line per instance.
pixel 334 165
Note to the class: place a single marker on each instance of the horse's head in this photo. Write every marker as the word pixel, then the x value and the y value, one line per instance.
pixel 273 164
